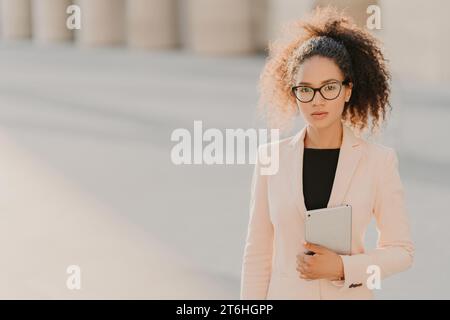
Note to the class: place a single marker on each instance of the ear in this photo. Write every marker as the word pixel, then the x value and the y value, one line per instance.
pixel 348 91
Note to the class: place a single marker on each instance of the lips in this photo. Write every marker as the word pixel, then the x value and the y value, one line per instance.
pixel 319 115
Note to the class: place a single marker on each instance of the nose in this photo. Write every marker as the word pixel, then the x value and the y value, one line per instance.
pixel 318 99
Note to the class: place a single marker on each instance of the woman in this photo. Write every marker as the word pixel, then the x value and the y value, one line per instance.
pixel 334 74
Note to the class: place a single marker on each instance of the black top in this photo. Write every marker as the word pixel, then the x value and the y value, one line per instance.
pixel 319 169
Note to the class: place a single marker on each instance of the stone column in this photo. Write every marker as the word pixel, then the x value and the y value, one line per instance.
pixel 15 19
pixel 49 20
pixel 102 22
pixel 220 26
pixel 260 23
pixel 152 23
pixel 356 9
pixel 416 37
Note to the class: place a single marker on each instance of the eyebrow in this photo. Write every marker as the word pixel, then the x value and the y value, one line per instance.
pixel 325 81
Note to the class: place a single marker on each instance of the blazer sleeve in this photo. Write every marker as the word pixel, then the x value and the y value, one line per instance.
pixel 395 250
pixel 257 260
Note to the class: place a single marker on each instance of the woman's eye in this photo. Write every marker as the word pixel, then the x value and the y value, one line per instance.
pixel 330 87
pixel 305 89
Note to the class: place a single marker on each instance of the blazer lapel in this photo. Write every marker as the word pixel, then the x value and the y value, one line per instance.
pixel 296 170
pixel 349 157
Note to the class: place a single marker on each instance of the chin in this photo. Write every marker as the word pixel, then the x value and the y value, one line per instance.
pixel 319 124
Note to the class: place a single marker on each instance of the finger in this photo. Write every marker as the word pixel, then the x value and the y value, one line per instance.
pixel 300 270
pixel 306 273
pixel 303 268
pixel 315 248
pixel 305 277
pixel 311 277
pixel 300 258
pixel 303 274
pixel 308 260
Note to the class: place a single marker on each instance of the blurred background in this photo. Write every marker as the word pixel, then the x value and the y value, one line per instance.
pixel 86 116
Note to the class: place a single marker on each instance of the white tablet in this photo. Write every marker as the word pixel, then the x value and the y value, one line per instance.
pixel 330 228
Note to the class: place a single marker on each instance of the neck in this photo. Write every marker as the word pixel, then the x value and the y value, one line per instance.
pixel 324 138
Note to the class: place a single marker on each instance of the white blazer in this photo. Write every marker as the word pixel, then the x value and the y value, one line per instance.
pixel 367 178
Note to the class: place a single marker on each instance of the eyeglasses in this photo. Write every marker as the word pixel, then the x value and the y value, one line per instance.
pixel 328 91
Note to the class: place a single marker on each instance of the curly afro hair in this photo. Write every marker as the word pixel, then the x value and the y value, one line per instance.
pixel 328 33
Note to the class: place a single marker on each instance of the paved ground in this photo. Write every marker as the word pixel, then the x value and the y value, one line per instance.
pixel 87 177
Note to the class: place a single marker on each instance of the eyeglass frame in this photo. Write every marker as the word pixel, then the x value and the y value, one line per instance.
pixel 341 84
